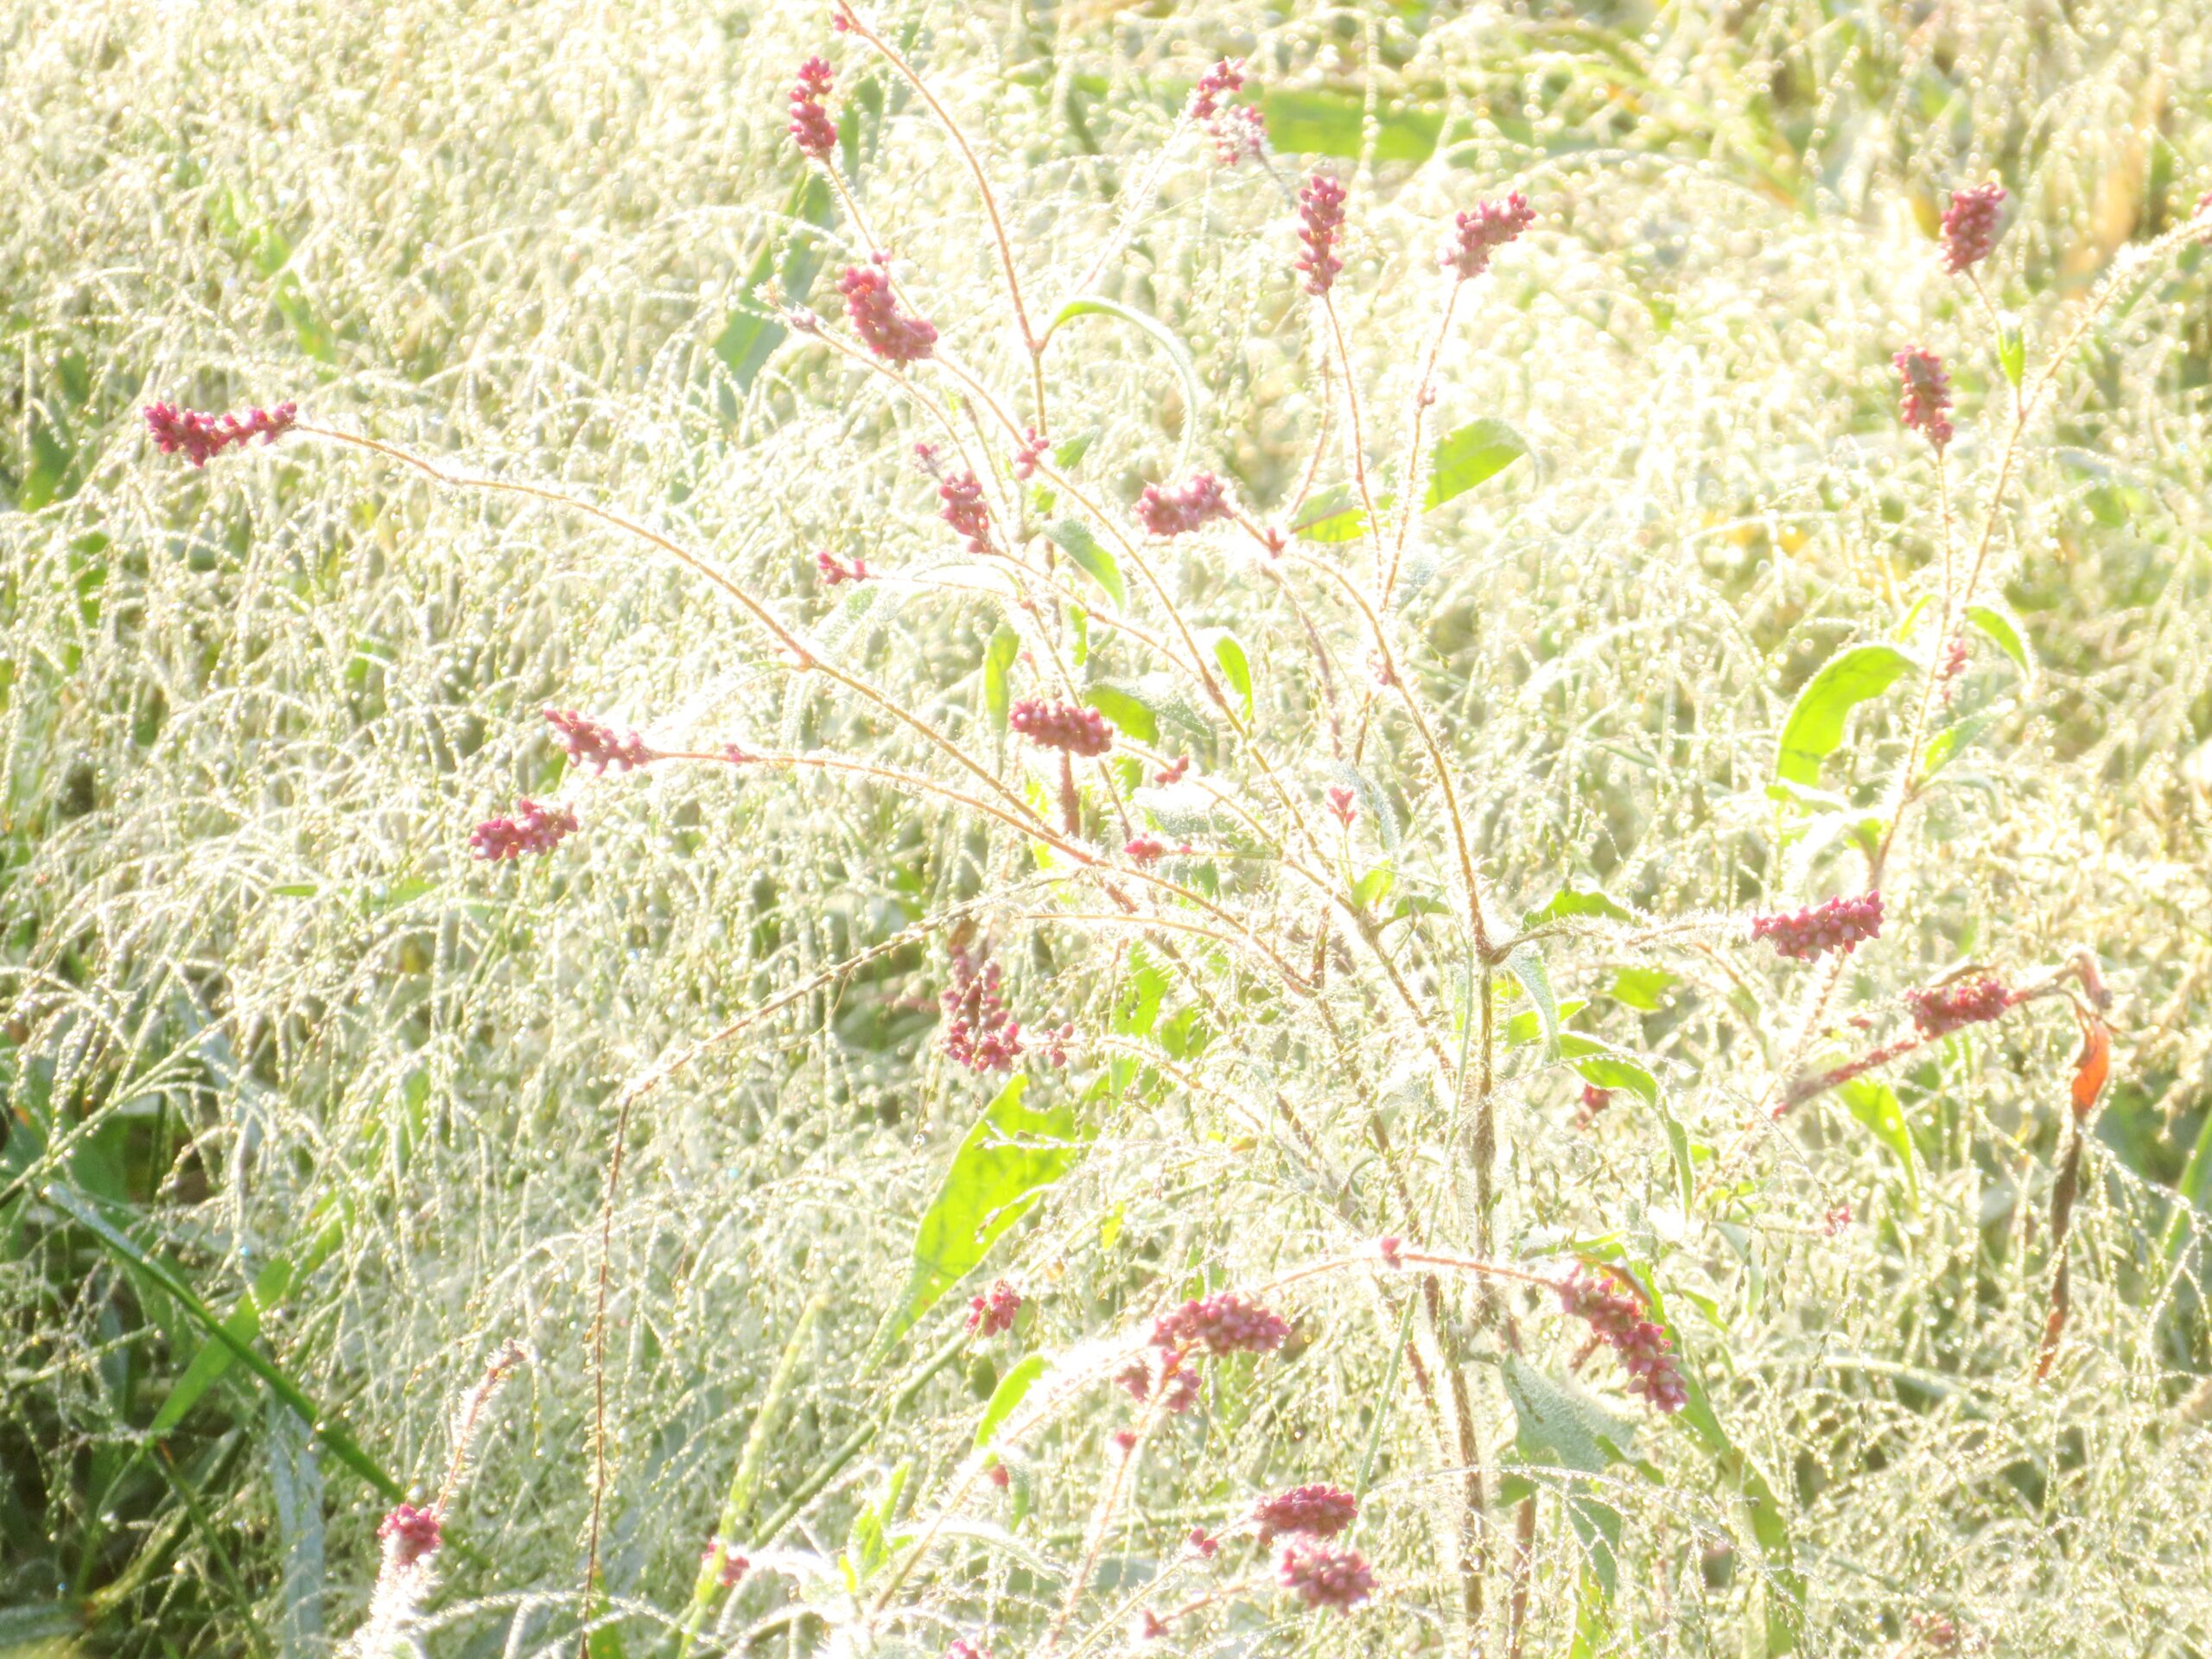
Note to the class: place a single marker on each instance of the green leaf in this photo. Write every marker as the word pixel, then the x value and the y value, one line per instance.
pixel 1229 652
pixel 751 336
pixel 2004 631
pixel 1073 538
pixel 1523 1029
pixel 1193 389
pixel 1477 451
pixel 1372 886
pixel 1618 1071
pixel 1559 1431
pixel 1069 451
pixel 1816 719
pixel 1946 743
pixel 1525 963
pixel 2012 348
pixel 1124 710
pixel 1875 1104
pixel 1319 122
pixel 1004 1398
pixel 1642 988
pixel 1003 1166
pixel 1571 900
pixel 148 1268
pixel 1334 515
pixel 998 662
pixel 1678 1150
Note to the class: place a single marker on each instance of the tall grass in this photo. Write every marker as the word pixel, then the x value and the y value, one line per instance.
pixel 281 1058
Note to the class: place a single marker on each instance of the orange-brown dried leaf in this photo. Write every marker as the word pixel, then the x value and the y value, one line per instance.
pixel 2091 1066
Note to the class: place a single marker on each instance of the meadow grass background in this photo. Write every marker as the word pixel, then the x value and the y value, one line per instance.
pixel 269 1029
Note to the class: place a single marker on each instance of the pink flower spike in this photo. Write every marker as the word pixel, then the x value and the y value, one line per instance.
pixel 1145 850
pixel 1032 451
pixel 887 331
pixel 1970 227
pixel 1324 1577
pixel 966 511
pixel 980 1032
pixel 728 1566
pixel 811 129
pixel 1926 404
pixel 1222 1324
pixel 835 570
pixel 1313 1511
pixel 1341 804
pixel 1063 726
pixel 533 828
pixel 1486 229
pixel 1202 1543
pixel 1321 213
pixel 994 1311
pixel 1947 1008
pixel 1807 935
pixel 598 747
pixel 199 435
pixel 1178 512
pixel 409 1535
pixel 1178 1381
pixel 1172 772
pixel 1616 1314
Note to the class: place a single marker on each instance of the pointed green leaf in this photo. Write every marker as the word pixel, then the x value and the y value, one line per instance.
pixel 1124 710
pixel 1334 515
pixel 998 662
pixel 1875 1104
pixel 1618 1071
pixel 1477 451
pixel 1230 653
pixel 1816 719
pixel 1571 900
pixel 1003 1166
pixel 1004 1398
pixel 1525 963
pixel 2002 628
pixel 1073 538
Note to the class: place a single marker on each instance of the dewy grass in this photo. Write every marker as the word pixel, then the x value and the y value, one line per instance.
pixel 1477 928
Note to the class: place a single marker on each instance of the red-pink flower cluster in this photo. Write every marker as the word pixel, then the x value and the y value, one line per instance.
pixel 886 330
pixel 835 570
pixel 1323 1576
pixel 591 744
pixel 994 1310
pixel 1177 1377
pixel 1970 225
pixel 980 1032
pixel 1315 1511
pixel 1173 771
pixel 1178 512
pixel 1321 214
pixel 1486 229
pixel 1238 129
pixel 812 129
pixel 963 1648
pixel 1202 1543
pixel 1616 1314
pixel 1807 934
pixel 1943 1009
pixel 1030 451
pixel 1062 725
pixel 1148 849
pixel 1594 1100
pixel 1222 1324
pixel 409 1535
pixel 1925 404
pixel 1342 803
pixel 966 511
pixel 202 436
pixel 728 1566
pixel 532 829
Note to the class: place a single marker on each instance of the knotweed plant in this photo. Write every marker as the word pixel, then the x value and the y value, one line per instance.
pixel 1230 968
